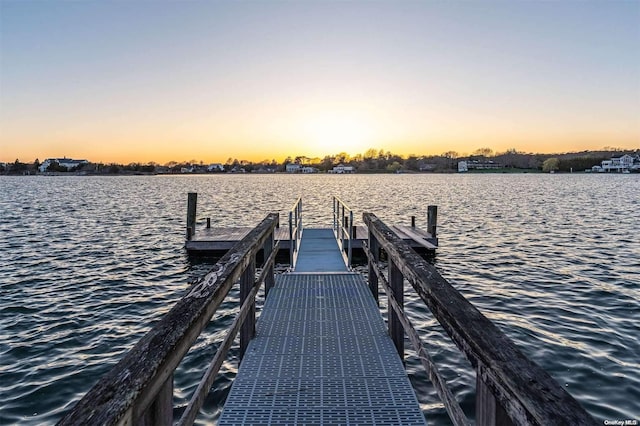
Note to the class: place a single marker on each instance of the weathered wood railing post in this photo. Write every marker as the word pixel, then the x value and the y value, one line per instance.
pixel 192 200
pixel 511 389
pixel 396 331
pixel 266 250
pixel 248 329
pixel 489 411
pixel 375 256
pixel 139 389
pixel 160 411
pixel 432 220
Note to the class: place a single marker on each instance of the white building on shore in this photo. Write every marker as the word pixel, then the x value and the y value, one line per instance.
pixel 342 169
pixel 618 164
pixel 67 163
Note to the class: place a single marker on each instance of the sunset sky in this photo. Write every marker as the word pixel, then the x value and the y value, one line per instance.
pixel 125 81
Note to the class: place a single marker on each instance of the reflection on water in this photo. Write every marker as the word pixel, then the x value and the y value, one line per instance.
pixel 90 263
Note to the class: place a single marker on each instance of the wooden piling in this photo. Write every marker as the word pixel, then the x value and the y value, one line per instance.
pixel 432 220
pixel 413 221
pixel 208 223
pixel 191 214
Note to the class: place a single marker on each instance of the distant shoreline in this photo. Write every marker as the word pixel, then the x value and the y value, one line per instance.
pixel 470 172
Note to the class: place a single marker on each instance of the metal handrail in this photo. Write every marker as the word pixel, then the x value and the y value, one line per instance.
pixel 139 389
pixel 343 228
pixel 510 388
pixel 295 231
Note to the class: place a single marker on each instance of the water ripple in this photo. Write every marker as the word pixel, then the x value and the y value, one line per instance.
pixel 545 257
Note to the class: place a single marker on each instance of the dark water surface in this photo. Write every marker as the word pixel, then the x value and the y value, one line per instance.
pixel 88 264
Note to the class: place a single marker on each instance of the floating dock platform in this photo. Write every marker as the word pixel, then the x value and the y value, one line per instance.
pixel 205 239
pixel 220 239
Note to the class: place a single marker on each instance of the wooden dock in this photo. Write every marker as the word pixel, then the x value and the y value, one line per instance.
pixel 205 239
pixel 221 239
pixel 321 353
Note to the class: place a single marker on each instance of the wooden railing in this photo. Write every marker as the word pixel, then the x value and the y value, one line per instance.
pixel 510 388
pixel 139 389
pixel 295 231
pixel 343 228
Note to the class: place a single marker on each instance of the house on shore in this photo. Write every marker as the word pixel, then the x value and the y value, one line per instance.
pixel 466 165
pixel 621 164
pixel 299 168
pixel 342 169
pixel 67 163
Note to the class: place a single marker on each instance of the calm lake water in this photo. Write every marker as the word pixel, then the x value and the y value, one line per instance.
pixel 90 263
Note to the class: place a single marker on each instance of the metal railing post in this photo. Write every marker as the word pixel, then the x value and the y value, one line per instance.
pixel 334 215
pixel 291 240
pixel 349 232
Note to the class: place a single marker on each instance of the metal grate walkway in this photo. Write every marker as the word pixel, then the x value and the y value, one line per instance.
pixel 319 252
pixel 321 355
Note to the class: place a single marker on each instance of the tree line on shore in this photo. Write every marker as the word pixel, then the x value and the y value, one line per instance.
pixel 372 161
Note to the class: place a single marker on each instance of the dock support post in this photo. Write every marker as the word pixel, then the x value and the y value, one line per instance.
pixel 192 200
pixel 374 250
pixel 248 329
pixel 489 412
pixel 413 221
pixel 396 331
pixel 432 220
pixel 266 250
pixel 208 222
pixel 160 412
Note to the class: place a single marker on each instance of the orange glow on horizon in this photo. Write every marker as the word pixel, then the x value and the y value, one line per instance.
pixel 331 138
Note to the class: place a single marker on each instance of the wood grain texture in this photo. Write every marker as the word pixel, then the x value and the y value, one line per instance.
pixel 529 395
pixel 456 414
pixel 123 395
